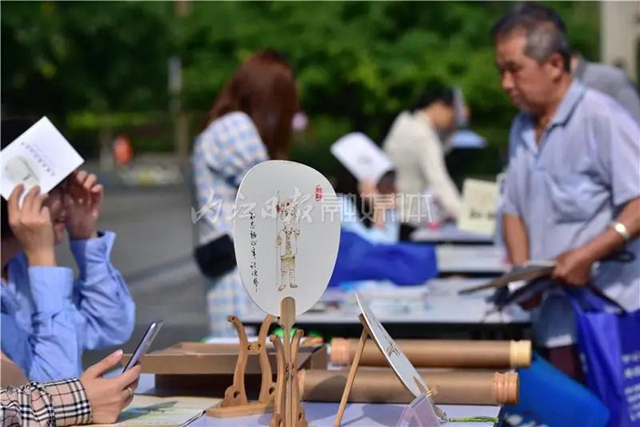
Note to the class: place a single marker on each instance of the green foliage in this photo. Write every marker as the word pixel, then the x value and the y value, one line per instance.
pixel 60 57
pixel 358 63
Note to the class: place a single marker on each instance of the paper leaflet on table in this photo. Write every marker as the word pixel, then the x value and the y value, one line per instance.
pixel 40 156
pixel 162 411
pixel 479 206
pixel 362 157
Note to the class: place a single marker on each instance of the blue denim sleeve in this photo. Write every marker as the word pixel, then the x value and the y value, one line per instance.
pixel 51 352
pixel 106 311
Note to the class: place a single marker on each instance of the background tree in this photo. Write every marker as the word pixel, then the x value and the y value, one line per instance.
pixel 358 63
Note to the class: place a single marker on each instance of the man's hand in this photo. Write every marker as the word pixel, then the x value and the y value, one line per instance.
pixel 31 224
pixel 574 267
pixel 82 202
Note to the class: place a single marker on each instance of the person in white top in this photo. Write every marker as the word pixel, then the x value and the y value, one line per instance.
pixel 415 145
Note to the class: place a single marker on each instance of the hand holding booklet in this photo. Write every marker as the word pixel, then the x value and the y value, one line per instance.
pixel 40 156
pixel 533 274
pixel 362 157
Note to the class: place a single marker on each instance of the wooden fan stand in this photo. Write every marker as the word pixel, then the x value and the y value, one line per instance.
pixel 366 334
pixel 235 403
pixel 288 410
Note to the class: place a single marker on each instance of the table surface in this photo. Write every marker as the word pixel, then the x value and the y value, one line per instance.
pixel 357 414
pixel 450 233
pixel 323 414
pixel 437 302
pixel 471 259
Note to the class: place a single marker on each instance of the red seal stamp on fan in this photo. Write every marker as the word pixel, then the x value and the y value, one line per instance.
pixel 319 193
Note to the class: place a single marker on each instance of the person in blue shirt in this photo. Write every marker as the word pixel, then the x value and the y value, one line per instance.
pixel 49 317
pixel 370 249
pixel 572 190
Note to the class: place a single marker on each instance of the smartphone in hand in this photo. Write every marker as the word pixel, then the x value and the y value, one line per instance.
pixel 144 345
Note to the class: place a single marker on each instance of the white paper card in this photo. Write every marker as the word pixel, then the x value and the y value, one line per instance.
pixel 479 206
pixel 396 358
pixel 40 156
pixel 286 234
pixel 362 157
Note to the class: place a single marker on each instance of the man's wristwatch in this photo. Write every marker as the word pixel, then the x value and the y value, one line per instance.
pixel 621 229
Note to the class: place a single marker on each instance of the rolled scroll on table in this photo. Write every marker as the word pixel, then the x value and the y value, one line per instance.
pixel 440 353
pixel 382 386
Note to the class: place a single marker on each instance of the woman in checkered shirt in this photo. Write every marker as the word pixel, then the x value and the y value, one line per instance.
pixel 250 122
pixel 85 400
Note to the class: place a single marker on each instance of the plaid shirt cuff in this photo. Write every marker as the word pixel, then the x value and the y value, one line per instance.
pixel 59 403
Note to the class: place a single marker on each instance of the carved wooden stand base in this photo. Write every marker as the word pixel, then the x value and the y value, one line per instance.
pixel 235 403
pixel 366 334
pixel 288 410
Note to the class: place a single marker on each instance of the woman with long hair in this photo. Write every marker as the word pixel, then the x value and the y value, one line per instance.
pixel 250 122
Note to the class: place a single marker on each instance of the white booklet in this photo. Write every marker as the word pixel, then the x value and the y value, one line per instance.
pixel 362 157
pixel 40 156
pixel 149 411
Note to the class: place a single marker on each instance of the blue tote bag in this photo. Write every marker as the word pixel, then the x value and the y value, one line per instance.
pixel 548 397
pixel 400 263
pixel 609 343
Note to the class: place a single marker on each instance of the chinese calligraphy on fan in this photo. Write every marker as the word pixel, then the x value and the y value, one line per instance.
pixel 254 241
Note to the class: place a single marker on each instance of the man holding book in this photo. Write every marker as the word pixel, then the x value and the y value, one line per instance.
pixel 573 188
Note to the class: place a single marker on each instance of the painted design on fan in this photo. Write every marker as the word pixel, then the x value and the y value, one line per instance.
pixel 254 241
pixel 392 349
pixel 288 217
